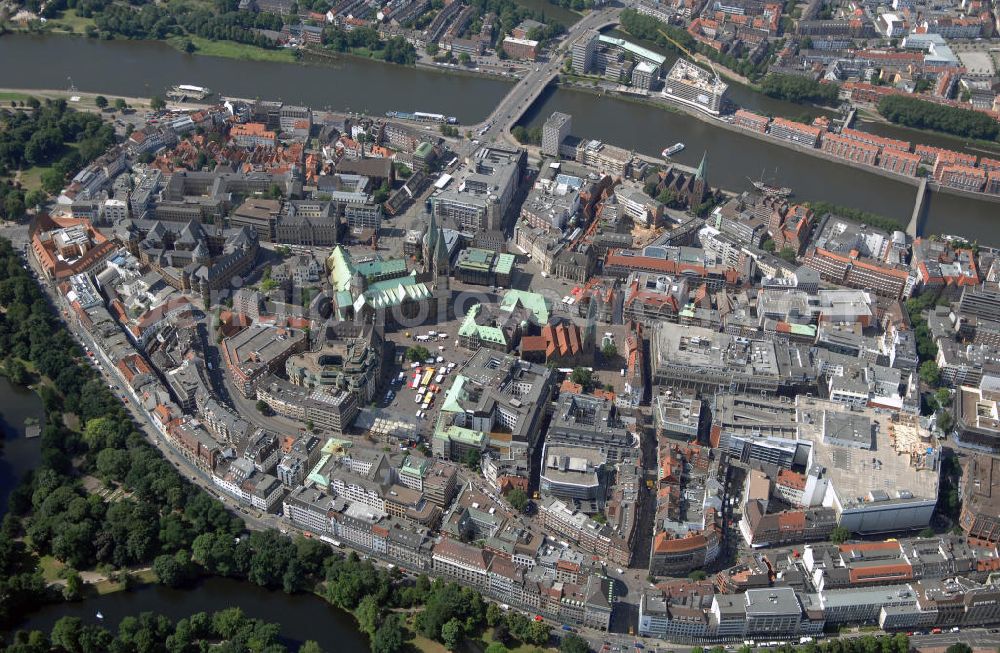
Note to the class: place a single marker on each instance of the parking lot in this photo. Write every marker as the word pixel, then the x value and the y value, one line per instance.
pixel 432 375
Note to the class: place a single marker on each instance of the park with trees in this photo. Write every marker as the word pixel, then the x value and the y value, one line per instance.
pixel 799 89
pixel 51 140
pixel 921 114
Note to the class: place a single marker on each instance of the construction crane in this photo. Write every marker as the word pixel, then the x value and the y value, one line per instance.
pixel 689 54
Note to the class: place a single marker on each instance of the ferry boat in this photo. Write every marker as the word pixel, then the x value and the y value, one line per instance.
pixel 672 150
pixel 422 116
pixel 183 92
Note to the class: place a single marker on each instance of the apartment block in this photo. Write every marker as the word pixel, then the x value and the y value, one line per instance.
pixel 850 149
pixel 795 131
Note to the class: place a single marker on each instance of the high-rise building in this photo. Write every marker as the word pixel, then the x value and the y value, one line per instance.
pixel 583 52
pixel 688 84
pixel 554 131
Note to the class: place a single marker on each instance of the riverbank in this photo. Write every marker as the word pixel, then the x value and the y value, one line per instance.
pixel 872 116
pixel 87 100
pixel 812 151
pixel 231 50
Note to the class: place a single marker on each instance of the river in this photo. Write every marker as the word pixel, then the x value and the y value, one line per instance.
pixel 301 616
pixel 20 455
pixel 139 68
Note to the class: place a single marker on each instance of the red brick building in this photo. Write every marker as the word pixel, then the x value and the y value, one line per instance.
pixel 850 149
pixel 752 121
pixel 903 163
pixel 960 176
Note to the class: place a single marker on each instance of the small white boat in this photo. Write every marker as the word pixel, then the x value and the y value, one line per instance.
pixel 100 615
pixel 672 150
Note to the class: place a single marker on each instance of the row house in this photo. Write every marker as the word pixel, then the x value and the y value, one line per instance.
pixel 903 163
pixel 850 149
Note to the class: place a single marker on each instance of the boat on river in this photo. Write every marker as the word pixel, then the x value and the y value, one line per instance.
pixel 672 150
pixel 769 189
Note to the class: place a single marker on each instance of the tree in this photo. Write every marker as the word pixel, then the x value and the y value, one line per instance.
pixel 921 114
pixel 169 571
pixel 494 614
pixel 787 254
pixel 66 633
pixel 452 634
pixel 309 646
pixel 959 648
pixel 189 46
pixel 52 180
pixel 73 591
pixel 930 374
pixel 17 372
pixel 796 88
pixel 573 643
pixel 156 103
pixel 390 636
pixel 472 459
pixel 538 633
pixel 417 354
pixel 768 245
pixel 839 535
pixel 14 206
pixel 697 575
pixel 518 499
pixel 369 614
pixel 100 102
pixel 945 421
pixel 35 198
pixel 464 58
pixel 120 104
pixel 609 350
pixel 583 376
pixel 262 406
pixel 382 194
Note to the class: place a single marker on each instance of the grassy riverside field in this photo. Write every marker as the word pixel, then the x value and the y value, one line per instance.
pixel 232 50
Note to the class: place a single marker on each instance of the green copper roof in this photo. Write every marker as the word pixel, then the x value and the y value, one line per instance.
pixel 460 434
pixel 371 269
pixel 637 50
pixel 385 294
pixel 316 476
pixel 505 263
pixel 477 258
pixel 486 333
pixel 532 301
pixel 416 467
pixel 802 329
pixel 451 399
pixel 702 167
pixel 341 268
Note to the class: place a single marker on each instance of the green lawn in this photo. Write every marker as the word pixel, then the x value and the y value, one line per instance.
pixel 18 97
pixel 71 22
pixel 32 177
pixel 50 568
pixel 233 50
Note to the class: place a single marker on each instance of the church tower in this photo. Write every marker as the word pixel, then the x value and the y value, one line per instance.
pixel 700 187
pixel 441 273
pixel 430 244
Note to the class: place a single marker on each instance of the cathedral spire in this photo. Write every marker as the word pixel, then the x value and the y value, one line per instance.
pixel 702 170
